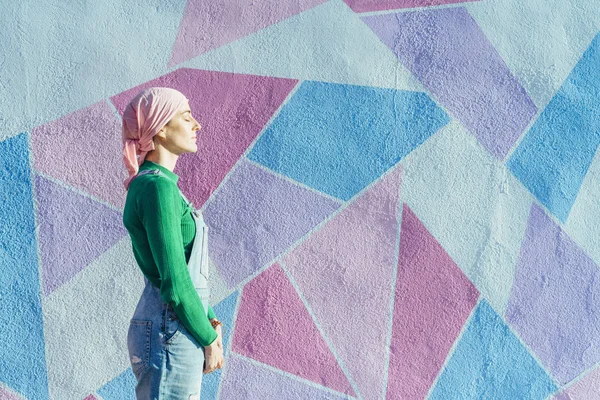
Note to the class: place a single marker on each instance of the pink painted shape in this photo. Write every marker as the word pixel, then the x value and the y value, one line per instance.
pixel 432 302
pixel 5 394
pixel 379 5
pixel 274 327
pixel 231 108
pixel 208 24
pixel 91 397
pixel 587 388
pixel 345 271
pixel 84 150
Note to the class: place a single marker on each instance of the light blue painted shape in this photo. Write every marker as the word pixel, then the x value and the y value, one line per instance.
pixel 224 312
pixel 339 138
pixel 554 156
pixel 122 387
pixel 490 362
pixel 22 354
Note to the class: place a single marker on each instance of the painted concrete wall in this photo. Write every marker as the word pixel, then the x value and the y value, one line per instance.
pixel 402 194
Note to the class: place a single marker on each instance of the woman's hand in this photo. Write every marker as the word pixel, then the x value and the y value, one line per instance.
pixel 220 345
pixel 213 356
pixel 220 337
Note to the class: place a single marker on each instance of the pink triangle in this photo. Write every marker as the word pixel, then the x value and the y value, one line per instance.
pixel 5 394
pixel 84 149
pixel 274 327
pixel 208 24
pixel 432 302
pixel 232 110
pixel 345 271
pixel 586 388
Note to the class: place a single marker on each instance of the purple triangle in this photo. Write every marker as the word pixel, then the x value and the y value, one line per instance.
pixel 255 216
pixel 555 300
pixel 454 60
pixel 73 231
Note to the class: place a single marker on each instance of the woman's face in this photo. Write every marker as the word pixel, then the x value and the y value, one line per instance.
pixel 180 132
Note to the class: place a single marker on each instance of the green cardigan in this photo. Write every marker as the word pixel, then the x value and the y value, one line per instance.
pixel 162 232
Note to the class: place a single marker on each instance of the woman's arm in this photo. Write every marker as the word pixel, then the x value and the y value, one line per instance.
pixel 160 211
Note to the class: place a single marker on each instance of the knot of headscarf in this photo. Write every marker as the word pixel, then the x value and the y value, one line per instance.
pixel 143 118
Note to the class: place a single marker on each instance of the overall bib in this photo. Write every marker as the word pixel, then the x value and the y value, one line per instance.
pixel 166 359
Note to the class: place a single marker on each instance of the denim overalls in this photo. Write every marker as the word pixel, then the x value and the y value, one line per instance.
pixel 166 359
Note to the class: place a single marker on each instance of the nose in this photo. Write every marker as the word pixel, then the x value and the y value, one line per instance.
pixel 197 125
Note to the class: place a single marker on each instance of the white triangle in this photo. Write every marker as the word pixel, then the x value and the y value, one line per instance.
pixel 327 43
pixel 218 288
pixel 541 41
pixel 100 300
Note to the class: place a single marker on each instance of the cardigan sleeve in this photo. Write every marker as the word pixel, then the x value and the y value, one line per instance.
pixel 160 211
pixel 211 313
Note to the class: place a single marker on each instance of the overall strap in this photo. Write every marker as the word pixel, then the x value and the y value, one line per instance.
pixel 159 172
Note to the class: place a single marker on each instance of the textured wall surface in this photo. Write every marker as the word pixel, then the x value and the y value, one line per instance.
pixel 402 194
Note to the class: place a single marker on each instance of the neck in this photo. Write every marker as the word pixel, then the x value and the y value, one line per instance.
pixel 162 157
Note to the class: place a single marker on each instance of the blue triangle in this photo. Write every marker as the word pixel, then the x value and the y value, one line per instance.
pixel 121 387
pixel 22 354
pixel 490 362
pixel 556 153
pixel 224 312
pixel 339 138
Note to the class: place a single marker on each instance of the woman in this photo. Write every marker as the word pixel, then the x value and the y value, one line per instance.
pixel 174 336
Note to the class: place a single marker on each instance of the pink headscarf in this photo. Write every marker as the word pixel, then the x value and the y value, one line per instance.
pixel 143 117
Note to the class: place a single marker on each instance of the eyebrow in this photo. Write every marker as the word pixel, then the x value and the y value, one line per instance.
pixel 186 111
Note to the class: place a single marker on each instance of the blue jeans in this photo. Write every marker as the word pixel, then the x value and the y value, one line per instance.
pixel 166 359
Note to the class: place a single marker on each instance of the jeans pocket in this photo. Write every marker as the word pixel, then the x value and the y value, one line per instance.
pixel 138 345
pixel 172 327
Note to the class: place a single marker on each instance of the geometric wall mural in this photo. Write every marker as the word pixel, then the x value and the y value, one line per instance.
pixel 400 194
